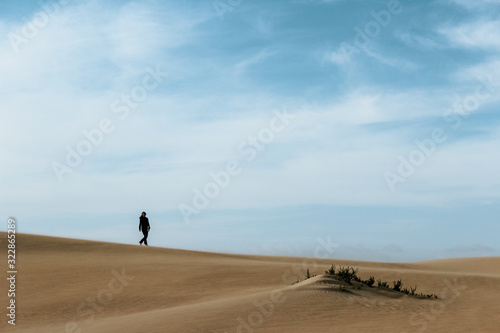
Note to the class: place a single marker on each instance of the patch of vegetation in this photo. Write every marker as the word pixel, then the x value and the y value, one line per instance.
pixel 370 281
pixel 382 284
pixel 397 285
pixel 410 291
pixel 428 296
pixel 331 271
pixel 348 274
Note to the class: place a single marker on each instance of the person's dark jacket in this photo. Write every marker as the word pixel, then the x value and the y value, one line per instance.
pixel 143 223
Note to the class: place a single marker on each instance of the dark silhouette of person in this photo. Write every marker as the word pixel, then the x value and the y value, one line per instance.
pixel 144 227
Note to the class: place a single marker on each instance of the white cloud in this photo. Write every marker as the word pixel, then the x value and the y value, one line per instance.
pixel 337 57
pixel 477 35
pixel 419 41
pixel 395 62
pixel 252 60
pixel 481 70
pixel 477 5
pixel 347 55
pixel 88 45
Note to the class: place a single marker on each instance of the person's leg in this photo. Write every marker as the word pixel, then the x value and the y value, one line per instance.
pixel 145 232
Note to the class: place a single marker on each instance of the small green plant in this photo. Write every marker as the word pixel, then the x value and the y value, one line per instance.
pixel 347 274
pixel 370 281
pixel 331 271
pixel 308 275
pixel 397 285
pixel 382 284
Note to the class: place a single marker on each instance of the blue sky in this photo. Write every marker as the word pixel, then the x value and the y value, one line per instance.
pixel 373 124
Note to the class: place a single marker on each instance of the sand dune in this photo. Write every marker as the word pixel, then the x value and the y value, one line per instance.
pixel 67 285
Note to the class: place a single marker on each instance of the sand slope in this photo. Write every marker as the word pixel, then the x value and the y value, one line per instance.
pixel 67 285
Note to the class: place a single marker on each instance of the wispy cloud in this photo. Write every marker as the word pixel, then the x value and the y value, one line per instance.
pixel 252 60
pixel 398 63
pixel 482 5
pixel 419 41
pixel 482 34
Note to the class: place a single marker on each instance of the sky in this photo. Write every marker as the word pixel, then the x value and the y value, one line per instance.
pixel 256 127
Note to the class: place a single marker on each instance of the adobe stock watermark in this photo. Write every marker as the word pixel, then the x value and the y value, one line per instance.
pixel 248 151
pixel 223 6
pixel 420 320
pixel 33 26
pixel 371 30
pixel 87 310
pixel 122 106
pixel 265 309
pixel 11 270
pixel 426 148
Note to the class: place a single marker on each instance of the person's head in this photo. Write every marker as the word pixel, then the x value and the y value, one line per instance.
pixel 143 214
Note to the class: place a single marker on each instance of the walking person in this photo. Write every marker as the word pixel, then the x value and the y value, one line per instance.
pixel 144 227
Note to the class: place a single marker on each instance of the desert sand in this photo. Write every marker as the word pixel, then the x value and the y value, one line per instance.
pixel 68 285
